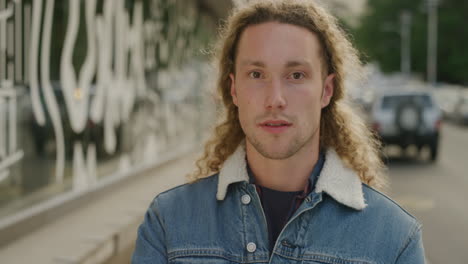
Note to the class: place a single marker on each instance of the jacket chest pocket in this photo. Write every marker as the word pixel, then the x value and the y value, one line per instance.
pixel 323 259
pixel 202 256
pixel 335 261
pixel 212 256
pixel 201 260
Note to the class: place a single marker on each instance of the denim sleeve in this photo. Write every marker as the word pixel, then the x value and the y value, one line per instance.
pixel 150 244
pixel 413 252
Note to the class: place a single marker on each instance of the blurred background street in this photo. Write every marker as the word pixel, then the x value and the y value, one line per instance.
pixel 106 103
pixel 436 195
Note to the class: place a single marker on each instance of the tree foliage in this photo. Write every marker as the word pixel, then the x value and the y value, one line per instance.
pixel 378 36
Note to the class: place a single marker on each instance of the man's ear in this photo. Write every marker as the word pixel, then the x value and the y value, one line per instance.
pixel 233 89
pixel 328 88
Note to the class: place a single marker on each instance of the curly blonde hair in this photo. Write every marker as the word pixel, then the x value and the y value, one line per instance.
pixel 341 128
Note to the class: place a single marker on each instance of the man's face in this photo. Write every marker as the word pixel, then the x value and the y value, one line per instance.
pixel 279 88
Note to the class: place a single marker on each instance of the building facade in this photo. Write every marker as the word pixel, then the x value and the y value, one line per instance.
pixel 92 91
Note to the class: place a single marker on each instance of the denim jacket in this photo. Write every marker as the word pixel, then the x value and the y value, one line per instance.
pixel 220 220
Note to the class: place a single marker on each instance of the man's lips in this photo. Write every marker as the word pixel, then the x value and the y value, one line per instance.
pixel 274 123
pixel 275 126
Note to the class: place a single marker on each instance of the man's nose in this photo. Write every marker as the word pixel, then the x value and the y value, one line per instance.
pixel 275 95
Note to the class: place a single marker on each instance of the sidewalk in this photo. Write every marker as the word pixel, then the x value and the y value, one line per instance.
pixel 103 229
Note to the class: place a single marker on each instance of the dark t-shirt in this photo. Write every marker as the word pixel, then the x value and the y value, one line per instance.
pixel 279 206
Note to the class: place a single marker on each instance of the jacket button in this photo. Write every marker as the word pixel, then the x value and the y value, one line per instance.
pixel 246 199
pixel 251 247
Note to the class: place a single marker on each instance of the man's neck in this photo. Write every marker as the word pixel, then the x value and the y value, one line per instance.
pixel 291 174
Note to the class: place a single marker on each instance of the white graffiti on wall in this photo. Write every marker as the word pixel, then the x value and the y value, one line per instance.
pixel 46 86
pixel 9 155
pixel 105 89
pixel 84 174
pixel 77 92
pixel 175 113
pixel 4 15
pixel 117 85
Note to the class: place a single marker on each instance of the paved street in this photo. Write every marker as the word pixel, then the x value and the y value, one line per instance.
pixel 437 195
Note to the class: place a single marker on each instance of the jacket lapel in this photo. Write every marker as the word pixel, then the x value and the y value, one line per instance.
pixel 337 180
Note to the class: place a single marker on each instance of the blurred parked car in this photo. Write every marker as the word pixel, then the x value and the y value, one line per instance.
pixel 461 109
pixel 407 118
pixel 450 100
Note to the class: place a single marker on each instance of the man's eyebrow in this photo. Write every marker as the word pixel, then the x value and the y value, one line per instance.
pixel 252 63
pixel 295 63
pixel 289 64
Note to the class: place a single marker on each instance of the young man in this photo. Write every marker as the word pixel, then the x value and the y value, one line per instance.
pixel 294 168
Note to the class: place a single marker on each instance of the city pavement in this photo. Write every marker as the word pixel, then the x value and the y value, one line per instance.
pixel 105 226
pixel 437 194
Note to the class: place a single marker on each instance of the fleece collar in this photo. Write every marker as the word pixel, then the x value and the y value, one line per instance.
pixel 337 180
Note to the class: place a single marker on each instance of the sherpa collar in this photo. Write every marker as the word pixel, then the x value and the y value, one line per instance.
pixel 337 180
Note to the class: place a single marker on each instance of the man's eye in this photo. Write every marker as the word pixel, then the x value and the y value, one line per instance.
pixel 255 74
pixel 297 75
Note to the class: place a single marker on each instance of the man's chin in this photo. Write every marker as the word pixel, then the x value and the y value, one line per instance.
pixel 276 155
pixel 273 151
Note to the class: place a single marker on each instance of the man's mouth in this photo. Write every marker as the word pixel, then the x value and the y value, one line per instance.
pixel 275 126
pixel 275 123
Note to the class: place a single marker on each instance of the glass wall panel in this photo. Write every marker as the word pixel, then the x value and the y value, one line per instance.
pixel 95 89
